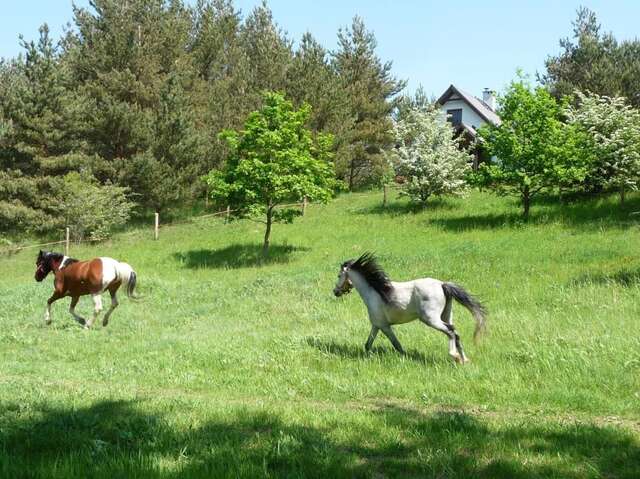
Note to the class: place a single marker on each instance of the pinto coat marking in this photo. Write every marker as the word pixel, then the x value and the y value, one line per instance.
pixel 79 278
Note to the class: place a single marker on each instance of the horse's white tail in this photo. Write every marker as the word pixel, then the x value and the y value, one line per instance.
pixel 128 277
pixel 477 309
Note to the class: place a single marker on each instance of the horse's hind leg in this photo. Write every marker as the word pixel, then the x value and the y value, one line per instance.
pixel 438 322
pixel 97 307
pixel 447 319
pixel 114 305
pixel 72 310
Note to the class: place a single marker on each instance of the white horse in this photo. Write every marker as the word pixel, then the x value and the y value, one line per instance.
pixel 390 302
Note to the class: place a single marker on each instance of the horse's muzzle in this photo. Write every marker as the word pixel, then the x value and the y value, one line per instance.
pixel 40 274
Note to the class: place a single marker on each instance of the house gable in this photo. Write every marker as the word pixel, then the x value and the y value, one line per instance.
pixel 475 112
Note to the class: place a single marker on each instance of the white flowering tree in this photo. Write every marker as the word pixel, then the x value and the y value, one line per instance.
pixel 612 143
pixel 429 155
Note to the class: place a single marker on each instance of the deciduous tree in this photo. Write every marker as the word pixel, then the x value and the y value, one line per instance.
pixel 535 150
pixel 429 155
pixel 273 161
pixel 612 133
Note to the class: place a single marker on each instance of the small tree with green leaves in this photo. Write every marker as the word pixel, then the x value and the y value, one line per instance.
pixel 429 155
pixel 535 150
pixel 273 161
pixel 612 131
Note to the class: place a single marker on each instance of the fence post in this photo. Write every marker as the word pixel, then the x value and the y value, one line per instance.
pixel 384 197
pixel 66 243
pixel 304 204
pixel 228 212
pixel 157 226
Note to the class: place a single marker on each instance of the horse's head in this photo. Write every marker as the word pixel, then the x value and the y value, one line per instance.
pixel 45 263
pixel 344 284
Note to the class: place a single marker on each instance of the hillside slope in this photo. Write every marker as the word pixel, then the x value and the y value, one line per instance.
pixel 228 368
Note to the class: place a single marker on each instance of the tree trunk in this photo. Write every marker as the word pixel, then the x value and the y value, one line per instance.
pixel 267 233
pixel 352 174
pixel 526 202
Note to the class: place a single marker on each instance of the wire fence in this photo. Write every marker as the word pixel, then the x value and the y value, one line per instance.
pixel 157 225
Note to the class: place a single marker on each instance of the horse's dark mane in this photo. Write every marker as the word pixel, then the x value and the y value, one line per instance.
pixel 373 274
pixel 52 255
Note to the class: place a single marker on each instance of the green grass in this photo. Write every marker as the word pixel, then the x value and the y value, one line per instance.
pixel 232 368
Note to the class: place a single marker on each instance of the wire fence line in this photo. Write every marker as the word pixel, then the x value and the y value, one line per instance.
pixel 7 251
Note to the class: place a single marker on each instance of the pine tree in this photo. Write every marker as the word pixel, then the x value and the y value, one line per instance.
pixel 122 58
pixel 312 80
pixel 267 50
pixel 219 92
pixel 595 62
pixel 370 89
pixel 38 138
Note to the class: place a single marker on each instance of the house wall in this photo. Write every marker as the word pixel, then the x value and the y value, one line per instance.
pixel 469 116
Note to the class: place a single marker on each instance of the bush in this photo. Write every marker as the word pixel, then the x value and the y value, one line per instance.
pixel 90 209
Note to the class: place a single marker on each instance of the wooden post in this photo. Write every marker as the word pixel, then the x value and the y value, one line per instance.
pixel 206 199
pixel 384 198
pixel 304 204
pixel 228 212
pixel 157 227
pixel 66 243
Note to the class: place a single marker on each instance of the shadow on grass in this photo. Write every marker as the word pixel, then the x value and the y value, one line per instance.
pixel 398 208
pixel 117 439
pixel 625 278
pixel 596 212
pixel 351 351
pixel 237 256
pixel 480 222
pixel 586 213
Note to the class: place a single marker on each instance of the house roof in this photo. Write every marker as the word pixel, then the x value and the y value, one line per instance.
pixel 480 107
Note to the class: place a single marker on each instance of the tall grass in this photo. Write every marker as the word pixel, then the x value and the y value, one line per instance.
pixel 235 367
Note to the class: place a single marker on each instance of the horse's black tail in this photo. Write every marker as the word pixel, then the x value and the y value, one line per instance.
pixel 131 284
pixel 479 312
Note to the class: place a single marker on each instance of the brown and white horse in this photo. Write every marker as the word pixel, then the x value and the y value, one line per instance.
pixel 78 278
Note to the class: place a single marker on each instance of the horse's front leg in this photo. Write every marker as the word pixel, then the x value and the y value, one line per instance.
pixel 72 310
pixel 371 338
pixel 47 314
pixel 388 332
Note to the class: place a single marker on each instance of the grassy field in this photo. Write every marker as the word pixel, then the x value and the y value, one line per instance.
pixel 230 368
